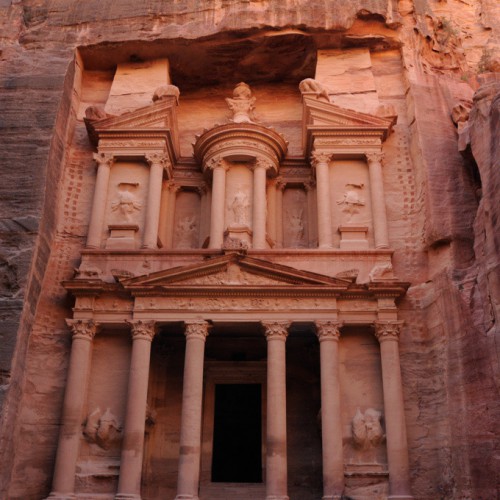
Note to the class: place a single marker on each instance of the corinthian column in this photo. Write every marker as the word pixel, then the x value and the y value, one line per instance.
pixel 387 333
pixel 320 163
pixel 63 485
pixel 276 463
pixel 378 200
pixel 192 396
pixel 280 188
pixel 259 204
pixel 218 203
pixel 104 162
pixel 129 485
pixel 173 188
pixel 157 163
pixel 328 333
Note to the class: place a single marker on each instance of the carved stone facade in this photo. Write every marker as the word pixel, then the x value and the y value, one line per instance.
pixel 238 322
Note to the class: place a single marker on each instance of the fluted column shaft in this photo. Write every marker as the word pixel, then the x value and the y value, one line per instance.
pixel 192 397
pixel 129 485
pixel 276 463
pixel 259 205
pixel 104 163
pixel 157 165
pixel 218 205
pixel 325 236
pixel 387 333
pixel 63 485
pixel 172 198
pixel 331 419
pixel 280 187
pixel 378 200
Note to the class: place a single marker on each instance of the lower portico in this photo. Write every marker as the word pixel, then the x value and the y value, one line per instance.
pixel 227 297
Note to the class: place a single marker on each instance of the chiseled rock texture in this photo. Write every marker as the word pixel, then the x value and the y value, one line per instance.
pixel 449 52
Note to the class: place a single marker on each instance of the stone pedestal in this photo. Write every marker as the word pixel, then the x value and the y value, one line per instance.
pixel 353 237
pixel 121 237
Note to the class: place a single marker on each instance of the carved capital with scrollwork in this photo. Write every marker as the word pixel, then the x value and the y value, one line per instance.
pixel 216 162
pixel 375 157
pixel 263 163
pixel 142 330
pixel 196 330
pixel 84 329
pixel 103 159
pixel 328 330
pixel 320 157
pixel 388 330
pixel 276 330
pixel 157 159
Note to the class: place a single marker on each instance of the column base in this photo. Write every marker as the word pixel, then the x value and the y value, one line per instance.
pixel 400 497
pixel 127 496
pixel 187 497
pixel 277 497
pixel 61 496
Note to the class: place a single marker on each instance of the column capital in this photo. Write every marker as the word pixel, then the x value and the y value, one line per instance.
pixel 196 329
pixel 388 330
pixel 328 330
pixel 216 162
pixel 318 157
pixel 262 163
pixel 142 330
pixel 375 157
pixel 276 329
pixel 82 328
pixel 157 159
pixel 106 159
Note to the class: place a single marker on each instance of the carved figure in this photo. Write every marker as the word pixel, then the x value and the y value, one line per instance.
pixel 351 200
pixel 295 226
pixel 366 429
pixel 242 104
pixel 239 207
pixel 165 91
pixel 186 231
pixel 380 271
pixel 102 428
pixel 310 85
pixel 126 203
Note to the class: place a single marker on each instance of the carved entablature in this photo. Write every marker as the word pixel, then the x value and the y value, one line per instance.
pixel 241 142
pixel 146 132
pixel 339 131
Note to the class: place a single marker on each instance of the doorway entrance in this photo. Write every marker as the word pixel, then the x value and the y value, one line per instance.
pixel 237 439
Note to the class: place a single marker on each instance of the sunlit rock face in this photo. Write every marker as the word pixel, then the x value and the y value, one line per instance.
pixel 266 180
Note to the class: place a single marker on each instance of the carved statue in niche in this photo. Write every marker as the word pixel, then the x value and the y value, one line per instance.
pixel 312 86
pixel 126 204
pixel 351 200
pixel 239 208
pixel 102 429
pixel 186 231
pixel 295 227
pixel 367 432
pixel 242 104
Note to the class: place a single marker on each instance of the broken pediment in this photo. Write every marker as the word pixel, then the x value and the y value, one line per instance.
pixel 324 121
pixel 233 270
pixel 156 122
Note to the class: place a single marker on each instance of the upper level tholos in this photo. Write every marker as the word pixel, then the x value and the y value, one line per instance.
pixel 248 184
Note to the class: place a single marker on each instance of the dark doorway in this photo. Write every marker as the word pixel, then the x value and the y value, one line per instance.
pixel 237 455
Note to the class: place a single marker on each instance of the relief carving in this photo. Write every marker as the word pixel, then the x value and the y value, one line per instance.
pixel 366 429
pixel 312 86
pixel 351 200
pixel 166 91
pixel 126 205
pixel 295 227
pixel 242 104
pixel 186 232
pixel 239 208
pixel 102 429
pixel 381 271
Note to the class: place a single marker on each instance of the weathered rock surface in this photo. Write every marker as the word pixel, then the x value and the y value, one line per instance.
pixel 426 56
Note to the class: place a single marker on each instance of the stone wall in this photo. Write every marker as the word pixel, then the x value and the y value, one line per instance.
pixel 426 56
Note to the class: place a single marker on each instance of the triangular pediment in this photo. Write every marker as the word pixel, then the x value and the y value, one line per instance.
pixel 157 118
pixel 325 114
pixel 233 270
